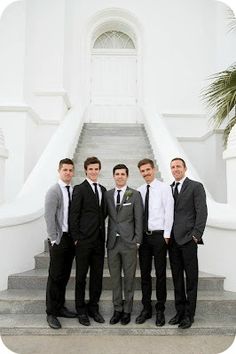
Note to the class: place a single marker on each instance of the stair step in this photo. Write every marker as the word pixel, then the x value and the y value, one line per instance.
pixel 42 260
pixel 37 278
pixel 36 325
pixel 27 301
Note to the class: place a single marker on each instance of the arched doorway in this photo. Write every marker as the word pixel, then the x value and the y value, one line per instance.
pixel 113 84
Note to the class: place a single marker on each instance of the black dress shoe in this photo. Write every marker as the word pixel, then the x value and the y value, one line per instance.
pixel 176 319
pixel 53 322
pixel 116 317
pixel 96 316
pixel 160 319
pixel 64 312
pixel 83 319
pixel 186 322
pixel 144 315
pixel 125 318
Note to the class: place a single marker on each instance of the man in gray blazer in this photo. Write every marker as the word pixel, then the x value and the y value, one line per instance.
pixel 61 245
pixel 125 226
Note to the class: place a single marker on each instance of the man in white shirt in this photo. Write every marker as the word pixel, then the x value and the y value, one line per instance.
pixel 158 219
pixel 61 246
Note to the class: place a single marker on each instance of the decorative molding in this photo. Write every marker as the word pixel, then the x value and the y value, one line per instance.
pixel 27 109
pixel 183 115
pixel 58 93
pixel 203 137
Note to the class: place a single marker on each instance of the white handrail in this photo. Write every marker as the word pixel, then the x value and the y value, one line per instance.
pixel 29 203
pixel 165 147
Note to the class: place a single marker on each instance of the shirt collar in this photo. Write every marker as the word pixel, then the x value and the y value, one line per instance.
pixel 123 189
pixel 180 182
pixel 63 184
pixel 91 182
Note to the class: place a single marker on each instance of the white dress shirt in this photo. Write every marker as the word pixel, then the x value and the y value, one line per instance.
pixel 65 203
pixel 179 185
pixel 93 188
pixel 161 206
pixel 123 189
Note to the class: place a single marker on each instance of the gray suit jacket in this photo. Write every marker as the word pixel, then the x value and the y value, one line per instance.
pixel 54 213
pixel 190 213
pixel 128 221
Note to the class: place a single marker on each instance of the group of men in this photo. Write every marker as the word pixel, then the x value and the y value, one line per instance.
pixel 148 221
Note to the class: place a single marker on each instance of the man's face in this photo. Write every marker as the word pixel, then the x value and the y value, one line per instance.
pixel 148 172
pixel 177 169
pixel 93 171
pixel 66 172
pixel 120 177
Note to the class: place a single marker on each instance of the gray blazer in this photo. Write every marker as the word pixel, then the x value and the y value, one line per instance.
pixel 190 213
pixel 128 221
pixel 54 209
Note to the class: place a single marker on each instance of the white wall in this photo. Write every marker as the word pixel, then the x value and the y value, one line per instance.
pixel 12 44
pixel 45 51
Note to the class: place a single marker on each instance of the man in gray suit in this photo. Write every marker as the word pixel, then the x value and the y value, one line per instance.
pixel 61 245
pixel 125 228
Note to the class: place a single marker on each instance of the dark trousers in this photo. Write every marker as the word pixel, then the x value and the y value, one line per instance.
pixel 89 256
pixel 61 259
pixel 153 246
pixel 183 259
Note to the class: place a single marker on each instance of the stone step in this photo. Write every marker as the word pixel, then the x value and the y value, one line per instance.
pixel 114 143
pixel 42 260
pixel 35 324
pixel 33 301
pixel 37 278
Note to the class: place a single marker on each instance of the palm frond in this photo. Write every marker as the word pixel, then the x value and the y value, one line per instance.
pixel 220 95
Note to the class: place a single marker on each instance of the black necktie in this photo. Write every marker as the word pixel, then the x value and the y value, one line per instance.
pixel 146 209
pixel 96 192
pixel 176 192
pixel 69 204
pixel 118 199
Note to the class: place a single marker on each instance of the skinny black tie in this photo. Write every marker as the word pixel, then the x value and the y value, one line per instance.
pixel 176 192
pixel 146 209
pixel 118 199
pixel 69 205
pixel 96 192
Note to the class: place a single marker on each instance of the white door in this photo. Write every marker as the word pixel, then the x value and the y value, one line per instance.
pixel 113 79
pixel 113 90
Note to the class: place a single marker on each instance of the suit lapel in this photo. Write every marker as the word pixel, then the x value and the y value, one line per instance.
pixel 90 190
pixel 184 186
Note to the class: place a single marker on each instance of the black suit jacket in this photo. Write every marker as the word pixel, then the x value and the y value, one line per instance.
pixel 190 213
pixel 87 218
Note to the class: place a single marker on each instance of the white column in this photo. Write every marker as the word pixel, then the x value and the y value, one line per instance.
pixel 3 157
pixel 229 156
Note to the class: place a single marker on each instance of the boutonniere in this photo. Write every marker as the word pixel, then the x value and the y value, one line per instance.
pixel 128 194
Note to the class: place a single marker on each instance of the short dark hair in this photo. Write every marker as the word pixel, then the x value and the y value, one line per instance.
pixel 145 162
pixel 65 161
pixel 179 158
pixel 120 166
pixel 90 161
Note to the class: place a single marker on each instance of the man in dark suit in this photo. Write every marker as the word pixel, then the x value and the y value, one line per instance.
pixel 88 231
pixel 125 228
pixel 190 217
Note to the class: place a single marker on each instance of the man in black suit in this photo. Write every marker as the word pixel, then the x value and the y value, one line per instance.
pixel 87 228
pixel 190 217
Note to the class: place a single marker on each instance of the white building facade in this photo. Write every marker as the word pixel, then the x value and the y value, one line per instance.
pixel 66 62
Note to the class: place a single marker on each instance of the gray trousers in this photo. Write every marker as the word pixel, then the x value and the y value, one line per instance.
pixel 122 257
